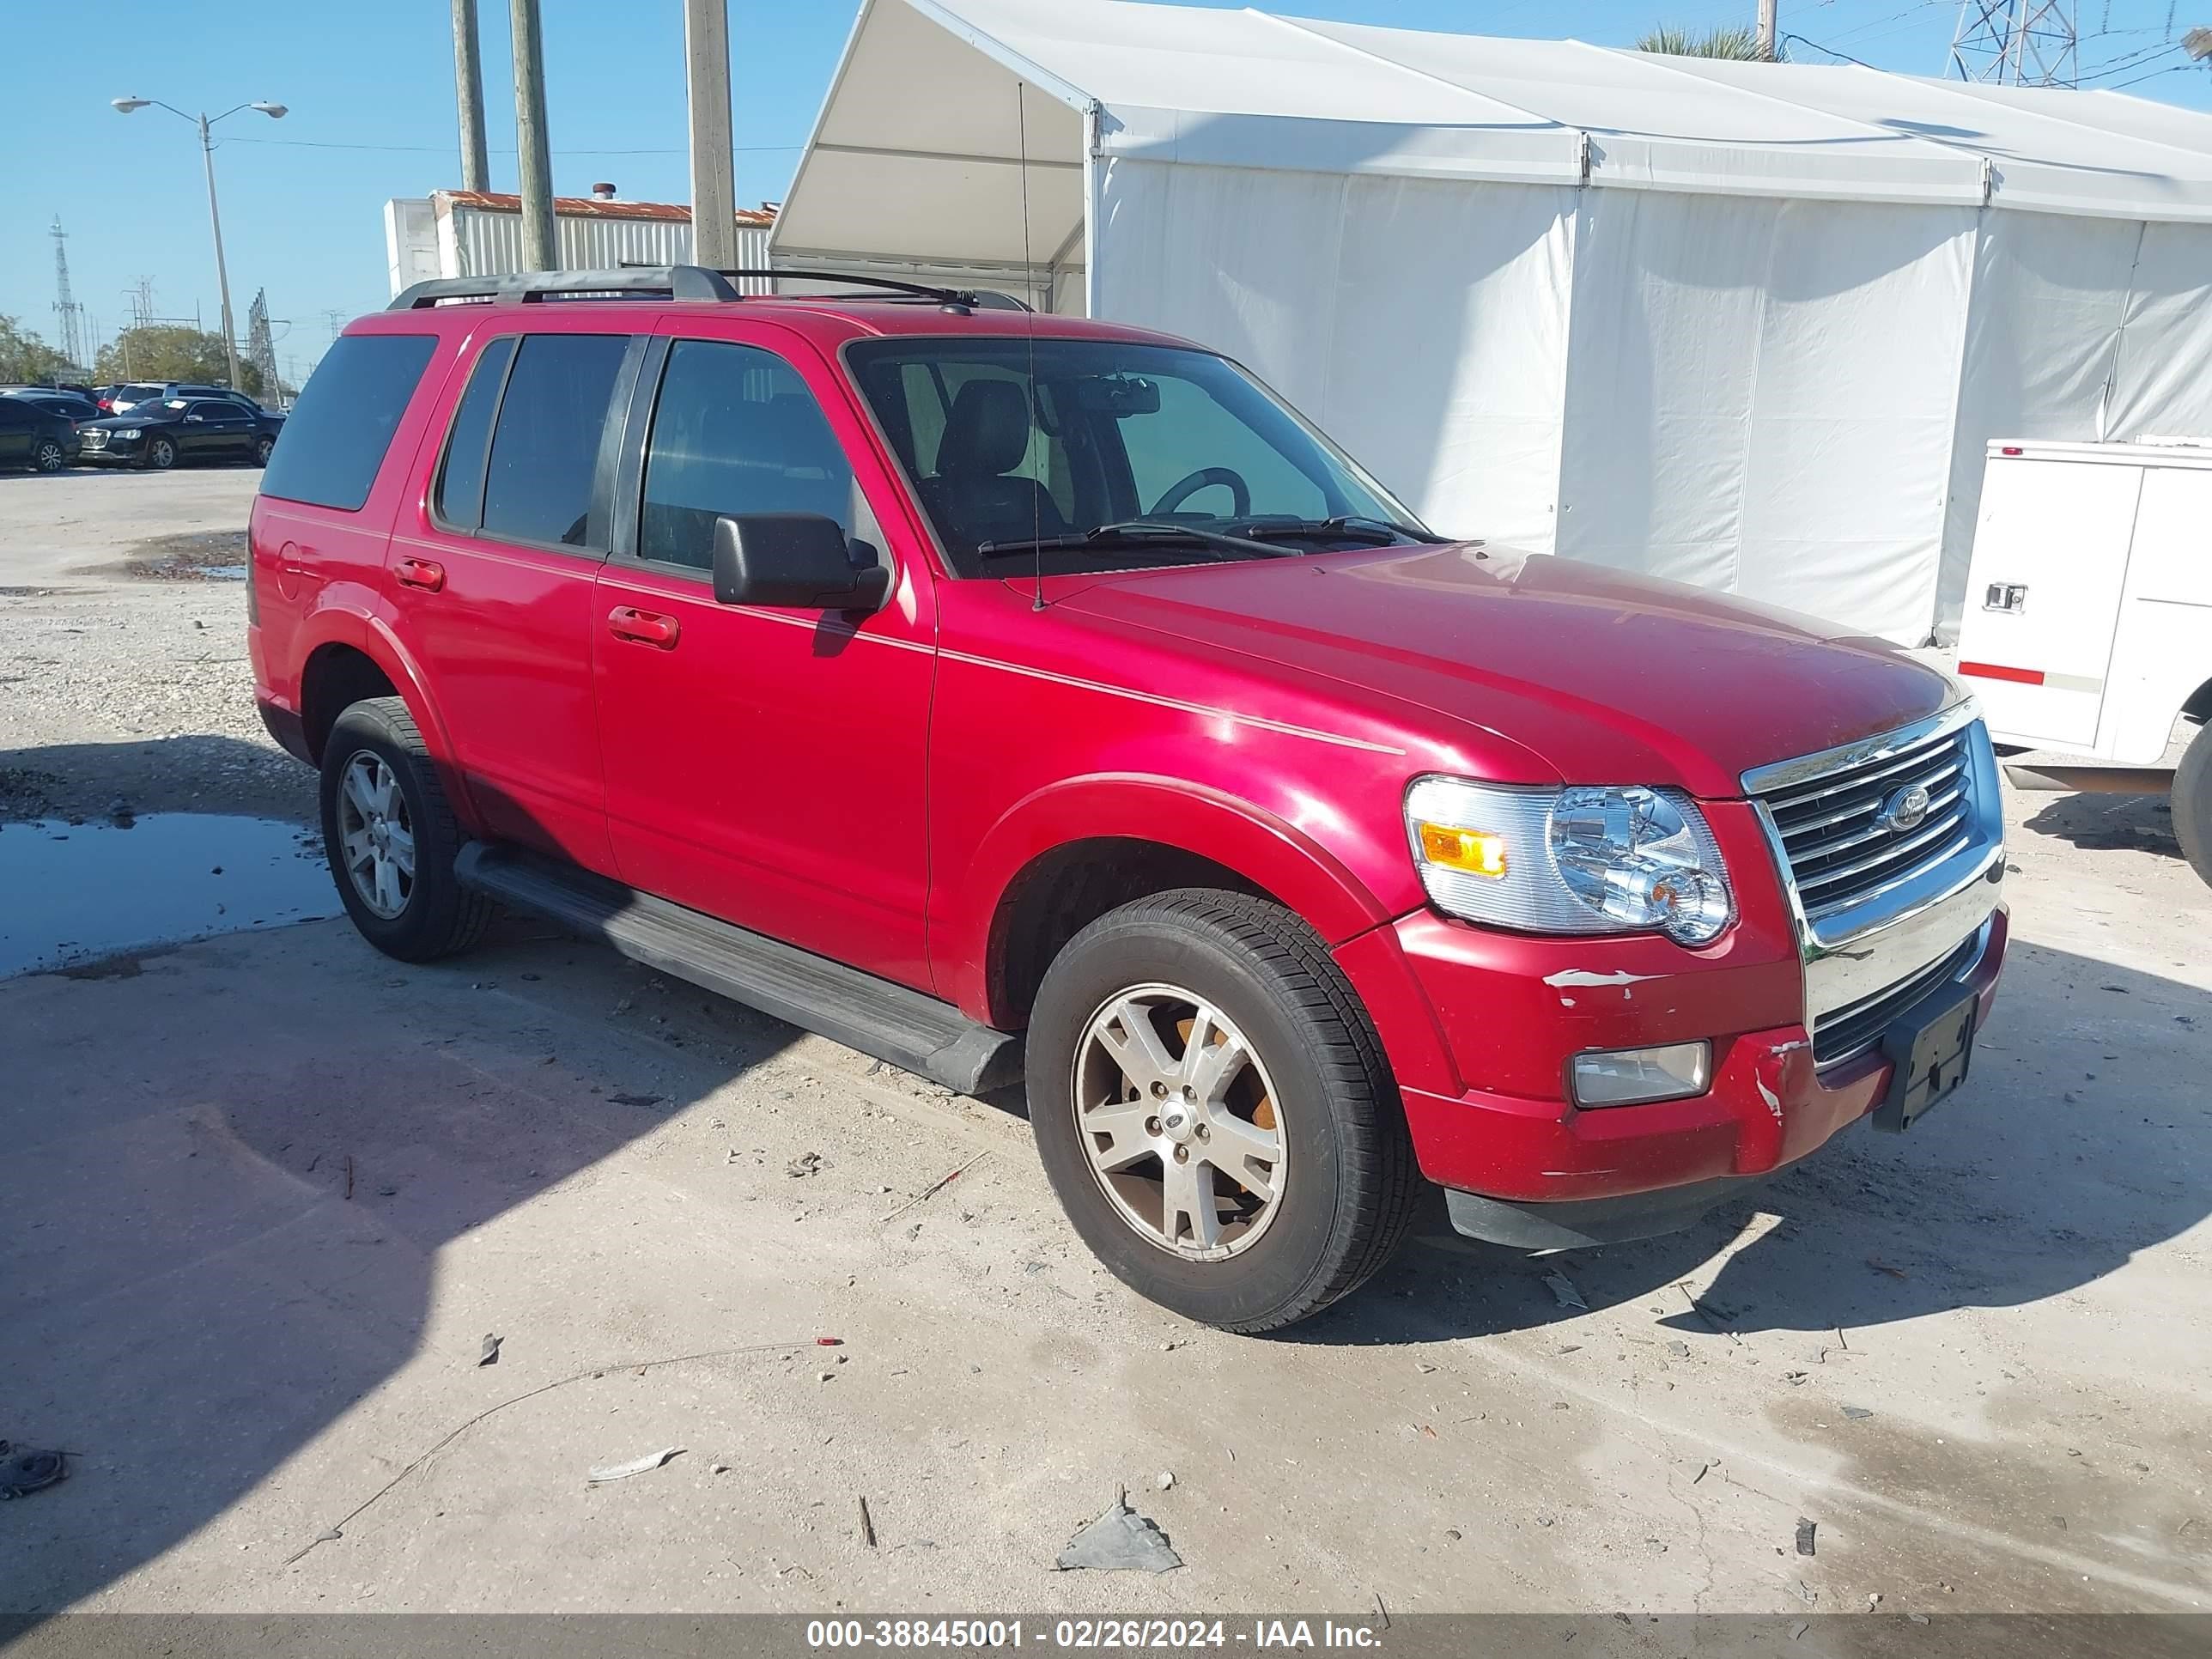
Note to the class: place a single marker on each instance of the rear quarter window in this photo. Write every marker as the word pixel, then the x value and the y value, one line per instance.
pixel 338 431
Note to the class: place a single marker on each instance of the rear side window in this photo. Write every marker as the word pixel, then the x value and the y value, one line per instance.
pixel 545 452
pixel 338 431
pixel 736 431
pixel 461 477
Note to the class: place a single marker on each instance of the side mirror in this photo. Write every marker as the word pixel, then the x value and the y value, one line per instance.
pixel 800 561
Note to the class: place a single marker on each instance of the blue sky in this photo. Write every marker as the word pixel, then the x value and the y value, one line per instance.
pixel 371 92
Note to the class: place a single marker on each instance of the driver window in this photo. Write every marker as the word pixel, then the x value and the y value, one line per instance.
pixel 1190 431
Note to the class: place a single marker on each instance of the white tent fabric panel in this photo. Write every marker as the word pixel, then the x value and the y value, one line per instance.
pixel 1739 370
pixel 2048 297
pixel 2163 370
pixel 1449 394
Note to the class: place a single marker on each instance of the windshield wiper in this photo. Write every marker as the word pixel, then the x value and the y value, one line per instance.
pixel 1352 525
pixel 1136 533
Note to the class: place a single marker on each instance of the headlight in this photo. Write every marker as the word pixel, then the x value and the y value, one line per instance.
pixel 128 432
pixel 1580 860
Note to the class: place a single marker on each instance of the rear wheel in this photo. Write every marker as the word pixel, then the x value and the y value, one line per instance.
pixel 262 446
pixel 1214 1112
pixel 2192 802
pixel 48 456
pixel 160 454
pixel 391 837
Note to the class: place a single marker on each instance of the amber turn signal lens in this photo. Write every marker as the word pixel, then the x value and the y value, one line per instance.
pixel 1474 851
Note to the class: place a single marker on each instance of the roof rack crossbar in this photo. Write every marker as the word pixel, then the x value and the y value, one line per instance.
pixel 984 298
pixel 689 283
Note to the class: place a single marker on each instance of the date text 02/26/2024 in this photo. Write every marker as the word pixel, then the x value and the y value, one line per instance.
pixel 1088 1634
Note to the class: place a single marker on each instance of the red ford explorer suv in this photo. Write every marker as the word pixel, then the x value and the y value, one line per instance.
pixel 1012 697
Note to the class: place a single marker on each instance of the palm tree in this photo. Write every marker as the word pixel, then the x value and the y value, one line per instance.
pixel 1741 44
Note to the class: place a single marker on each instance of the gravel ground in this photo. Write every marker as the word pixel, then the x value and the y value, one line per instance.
pixel 248 1258
pixel 123 664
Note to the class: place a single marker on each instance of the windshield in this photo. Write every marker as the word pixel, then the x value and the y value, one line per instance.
pixel 1102 435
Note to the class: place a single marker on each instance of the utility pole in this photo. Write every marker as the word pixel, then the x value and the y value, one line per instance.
pixel 541 246
pixel 1768 23
pixel 468 89
pixel 713 185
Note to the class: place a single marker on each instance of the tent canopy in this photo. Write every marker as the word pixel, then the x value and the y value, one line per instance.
pixel 1750 325
pixel 919 148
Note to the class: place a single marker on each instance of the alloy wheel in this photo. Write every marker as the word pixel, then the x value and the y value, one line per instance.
pixel 377 832
pixel 1177 1118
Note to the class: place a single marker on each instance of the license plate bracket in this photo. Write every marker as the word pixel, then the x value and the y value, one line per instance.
pixel 1931 1049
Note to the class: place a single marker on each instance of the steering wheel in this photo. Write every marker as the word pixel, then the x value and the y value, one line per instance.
pixel 1240 493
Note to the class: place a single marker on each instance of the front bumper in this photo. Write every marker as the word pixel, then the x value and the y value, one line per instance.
pixel 1480 1027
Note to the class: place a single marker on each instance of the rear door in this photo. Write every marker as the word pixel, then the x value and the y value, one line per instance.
pixel 492 573
pixel 764 765
pixel 2043 594
pixel 216 430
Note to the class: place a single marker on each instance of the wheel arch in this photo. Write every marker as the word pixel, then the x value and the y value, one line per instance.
pixel 354 656
pixel 1066 855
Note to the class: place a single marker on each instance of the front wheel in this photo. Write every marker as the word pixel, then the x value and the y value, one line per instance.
pixel 2192 802
pixel 1214 1112
pixel 391 837
pixel 160 454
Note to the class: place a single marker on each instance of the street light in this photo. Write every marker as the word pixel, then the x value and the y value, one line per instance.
pixel 275 113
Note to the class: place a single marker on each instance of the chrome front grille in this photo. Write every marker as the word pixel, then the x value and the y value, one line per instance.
pixel 1841 844
pixel 94 439
pixel 1892 852
pixel 1849 1032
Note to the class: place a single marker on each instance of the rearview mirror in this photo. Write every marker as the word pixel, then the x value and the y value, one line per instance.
pixel 800 561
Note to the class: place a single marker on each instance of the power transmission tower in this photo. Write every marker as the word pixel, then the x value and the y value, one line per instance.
pixel 69 315
pixel 336 320
pixel 140 296
pixel 2018 43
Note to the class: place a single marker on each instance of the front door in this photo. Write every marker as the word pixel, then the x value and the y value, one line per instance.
pixel 763 765
pixel 493 569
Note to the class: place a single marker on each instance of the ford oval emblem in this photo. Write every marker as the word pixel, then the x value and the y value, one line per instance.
pixel 1905 810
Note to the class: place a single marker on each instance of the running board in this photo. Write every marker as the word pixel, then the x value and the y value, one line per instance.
pixel 914 1032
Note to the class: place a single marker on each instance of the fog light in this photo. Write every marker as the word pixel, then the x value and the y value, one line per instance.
pixel 1632 1077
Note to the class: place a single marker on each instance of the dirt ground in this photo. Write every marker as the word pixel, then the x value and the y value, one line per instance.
pixel 268 1194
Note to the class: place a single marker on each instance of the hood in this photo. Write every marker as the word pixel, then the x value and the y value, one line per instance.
pixel 1606 676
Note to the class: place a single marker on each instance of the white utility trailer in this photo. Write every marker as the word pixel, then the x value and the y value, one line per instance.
pixel 2088 632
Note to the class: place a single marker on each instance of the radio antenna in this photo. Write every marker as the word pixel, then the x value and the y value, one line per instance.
pixel 1029 276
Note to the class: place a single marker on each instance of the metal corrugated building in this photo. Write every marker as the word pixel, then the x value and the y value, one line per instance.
pixel 466 233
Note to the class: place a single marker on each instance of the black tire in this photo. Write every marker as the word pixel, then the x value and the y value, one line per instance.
pixel 2192 803
pixel 47 456
pixel 1351 1186
pixel 439 917
pixel 160 455
pixel 262 448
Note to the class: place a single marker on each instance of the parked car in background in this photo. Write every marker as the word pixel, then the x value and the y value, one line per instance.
pixel 32 435
pixel 1016 695
pixel 75 405
pixel 160 435
pixel 121 400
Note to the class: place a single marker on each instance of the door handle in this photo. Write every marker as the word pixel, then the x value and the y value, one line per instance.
pixel 627 621
pixel 424 573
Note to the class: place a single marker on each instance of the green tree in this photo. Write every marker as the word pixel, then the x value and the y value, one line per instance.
pixel 25 358
pixel 169 351
pixel 1741 44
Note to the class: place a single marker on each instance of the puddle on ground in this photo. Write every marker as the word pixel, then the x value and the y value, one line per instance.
pixel 197 555
pixel 75 892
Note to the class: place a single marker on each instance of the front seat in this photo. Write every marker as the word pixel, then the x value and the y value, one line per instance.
pixel 973 498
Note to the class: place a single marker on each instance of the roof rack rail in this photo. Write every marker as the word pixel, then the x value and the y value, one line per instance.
pixel 688 283
pixel 979 299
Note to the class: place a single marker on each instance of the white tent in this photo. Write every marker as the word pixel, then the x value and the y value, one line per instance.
pixel 1745 325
